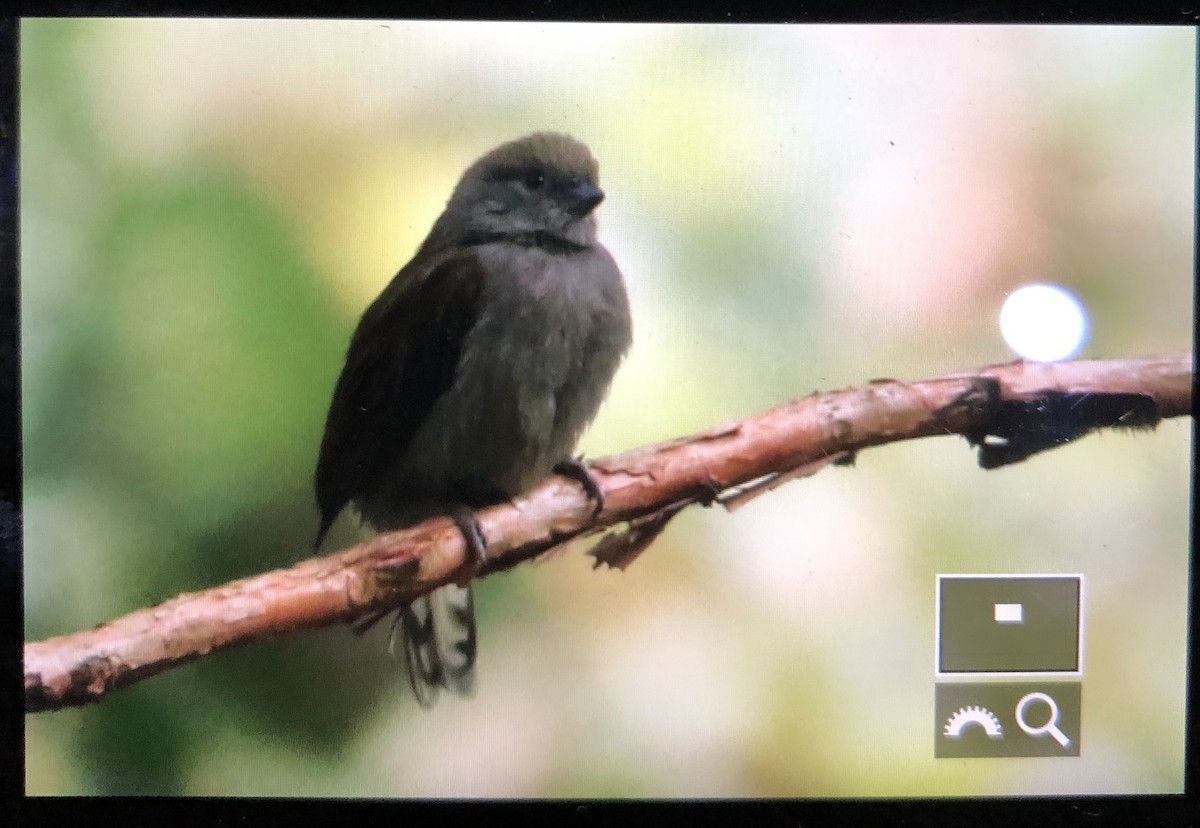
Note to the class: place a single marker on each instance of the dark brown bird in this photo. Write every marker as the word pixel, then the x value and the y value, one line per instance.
pixel 474 373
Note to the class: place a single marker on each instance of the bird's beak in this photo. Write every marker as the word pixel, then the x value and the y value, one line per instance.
pixel 584 197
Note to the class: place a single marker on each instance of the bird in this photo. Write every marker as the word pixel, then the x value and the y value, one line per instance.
pixel 474 373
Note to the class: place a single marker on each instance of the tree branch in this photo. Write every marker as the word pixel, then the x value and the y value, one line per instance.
pixel 1010 411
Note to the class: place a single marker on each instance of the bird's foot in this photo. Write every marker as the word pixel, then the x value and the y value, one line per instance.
pixel 577 471
pixel 477 556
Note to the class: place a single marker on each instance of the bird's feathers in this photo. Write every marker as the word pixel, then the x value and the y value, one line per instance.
pixel 391 381
pixel 438 631
pixel 549 149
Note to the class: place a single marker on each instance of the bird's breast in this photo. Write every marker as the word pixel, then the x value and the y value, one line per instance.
pixel 550 332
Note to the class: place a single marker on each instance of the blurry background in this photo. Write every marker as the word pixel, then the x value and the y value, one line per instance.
pixel 207 207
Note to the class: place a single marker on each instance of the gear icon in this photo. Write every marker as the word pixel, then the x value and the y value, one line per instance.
pixel 973 715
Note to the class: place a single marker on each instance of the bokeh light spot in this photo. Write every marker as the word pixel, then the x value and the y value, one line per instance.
pixel 1045 323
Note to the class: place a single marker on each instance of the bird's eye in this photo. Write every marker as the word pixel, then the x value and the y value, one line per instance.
pixel 534 179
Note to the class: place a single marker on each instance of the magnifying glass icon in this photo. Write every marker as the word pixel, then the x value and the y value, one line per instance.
pixel 1051 725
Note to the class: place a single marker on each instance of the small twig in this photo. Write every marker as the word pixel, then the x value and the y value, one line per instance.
pixel 734 500
pixel 1011 411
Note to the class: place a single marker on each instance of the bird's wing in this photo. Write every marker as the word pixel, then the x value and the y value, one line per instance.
pixel 402 357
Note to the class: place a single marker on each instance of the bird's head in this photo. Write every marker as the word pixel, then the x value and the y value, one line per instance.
pixel 542 185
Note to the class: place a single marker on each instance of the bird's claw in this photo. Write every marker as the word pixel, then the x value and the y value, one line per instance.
pixel 577 471
pixel 477 556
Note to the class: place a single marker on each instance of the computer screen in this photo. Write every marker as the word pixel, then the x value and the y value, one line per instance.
pixel 209 206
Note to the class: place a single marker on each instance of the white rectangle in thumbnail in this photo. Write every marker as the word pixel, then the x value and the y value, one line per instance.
pixel 1010 614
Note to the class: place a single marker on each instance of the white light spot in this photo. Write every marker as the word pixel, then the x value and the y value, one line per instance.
pixel 1043 322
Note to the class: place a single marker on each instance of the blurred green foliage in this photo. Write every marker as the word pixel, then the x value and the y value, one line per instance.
pixel 177 379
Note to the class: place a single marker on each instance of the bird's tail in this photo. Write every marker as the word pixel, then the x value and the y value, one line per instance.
pixel 439 642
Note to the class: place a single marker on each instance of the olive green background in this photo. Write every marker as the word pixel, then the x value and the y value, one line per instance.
pixel 207 206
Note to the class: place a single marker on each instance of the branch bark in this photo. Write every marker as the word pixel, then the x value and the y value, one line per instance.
pixel 1011 411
